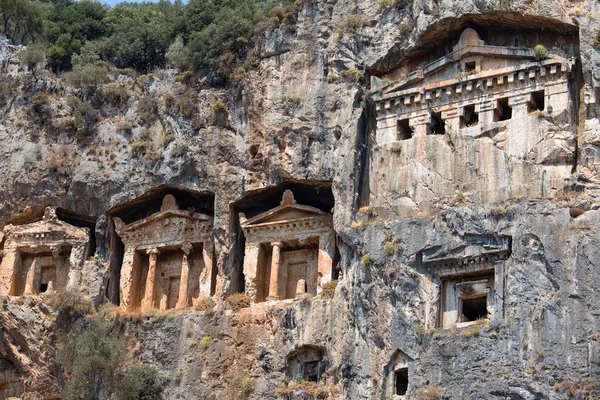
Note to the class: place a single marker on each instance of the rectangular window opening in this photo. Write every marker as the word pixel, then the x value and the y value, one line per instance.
pixel 311 371
pixel 43 287
pixel 503 110
pixel 404 130
pixel 537 102
pixel 469 117
pixel 401 381
pixel 474 309
pixel 437 125
pixel 470 66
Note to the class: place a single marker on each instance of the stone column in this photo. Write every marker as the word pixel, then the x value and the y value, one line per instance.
pixel 182 300
pixel 76 260
pixel 29 283
pixel 273 282
pixel 9 270
pixel 207 269
pixel 300 287
pixel 148 300
pixel 127 277
pixel 325 260
pixel 251 256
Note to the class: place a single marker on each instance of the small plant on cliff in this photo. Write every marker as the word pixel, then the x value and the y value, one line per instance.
pixel 70 306
pixel 365 260
pixel 540 52
pixel 499 212
pixel 204 304
pixel 219 107
pixel 352 75
pixel 596 43
pixel 247 385
pixel 577 387
pixel 206 340
pixel 238 301
pixel 390 248
pixel 387 5
pixel 430 393
pixel 351 25
pixel 329 289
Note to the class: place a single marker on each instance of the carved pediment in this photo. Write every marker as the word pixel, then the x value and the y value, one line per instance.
pixel 170 226
pixel 287 212
pixel 47 231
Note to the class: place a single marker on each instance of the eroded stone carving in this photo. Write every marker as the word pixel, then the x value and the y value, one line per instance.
pixel 472 280
pixel 396 374
pixel 41 256
pixel 307 363
pixel 168 259
pixel 482 112
pixel 284 246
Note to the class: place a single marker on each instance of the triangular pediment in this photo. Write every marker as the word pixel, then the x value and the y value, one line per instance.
pixel 285 214
pixel 288 211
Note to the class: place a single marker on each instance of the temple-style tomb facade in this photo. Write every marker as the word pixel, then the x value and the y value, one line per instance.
pixel 168 259
pixel 289 251
pixel 41 256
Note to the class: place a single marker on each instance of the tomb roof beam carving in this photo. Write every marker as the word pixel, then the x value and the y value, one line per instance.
pixel 451 266
pixel 394 91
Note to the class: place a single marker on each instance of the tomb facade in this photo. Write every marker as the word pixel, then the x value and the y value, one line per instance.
pixel 475 120
pixel 471 281
pixel 289 251
pixel 307 363
pixel 396 375
pixel 42 256
pixel 168 260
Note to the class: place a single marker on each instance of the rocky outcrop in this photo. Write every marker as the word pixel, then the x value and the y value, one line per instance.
pixel 304 117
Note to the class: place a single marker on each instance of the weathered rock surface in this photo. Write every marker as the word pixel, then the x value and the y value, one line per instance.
pixel 296 118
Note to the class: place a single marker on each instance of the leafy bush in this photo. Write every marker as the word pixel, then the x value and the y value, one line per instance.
pixel 147 110
pixel 139 383
pixel 499 212
pixel 151 155
pixel 352 75
pixel 180 149
pixel 312 389
pixel 351 25
pixel 114 94
pixel 365 260
pixel 328 289
pixel 188 78
pixel 83 116
pixel 206 340
pixel 277 13
pixel 238 301
pixel 247 385
pixel 540 52
pixel 187 106
pixel 40 106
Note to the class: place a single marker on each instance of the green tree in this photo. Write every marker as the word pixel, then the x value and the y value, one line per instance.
pixel 92 357
pixel 22 20
pixel 32 57
pixel 139 383
pixel 140 37
pixel 69 27
pixel 179 55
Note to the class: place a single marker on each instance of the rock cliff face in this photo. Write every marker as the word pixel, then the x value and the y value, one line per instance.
pixel 305 120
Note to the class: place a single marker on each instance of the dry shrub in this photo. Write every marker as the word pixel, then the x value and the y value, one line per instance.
pixel 238 301
pixel 204 304
pixel 114 94
pixel 312 389
pixel 187 106
pixel 148 110
pixel 328 289
pixel 576 388
pixel 430 393
pixel 70 306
